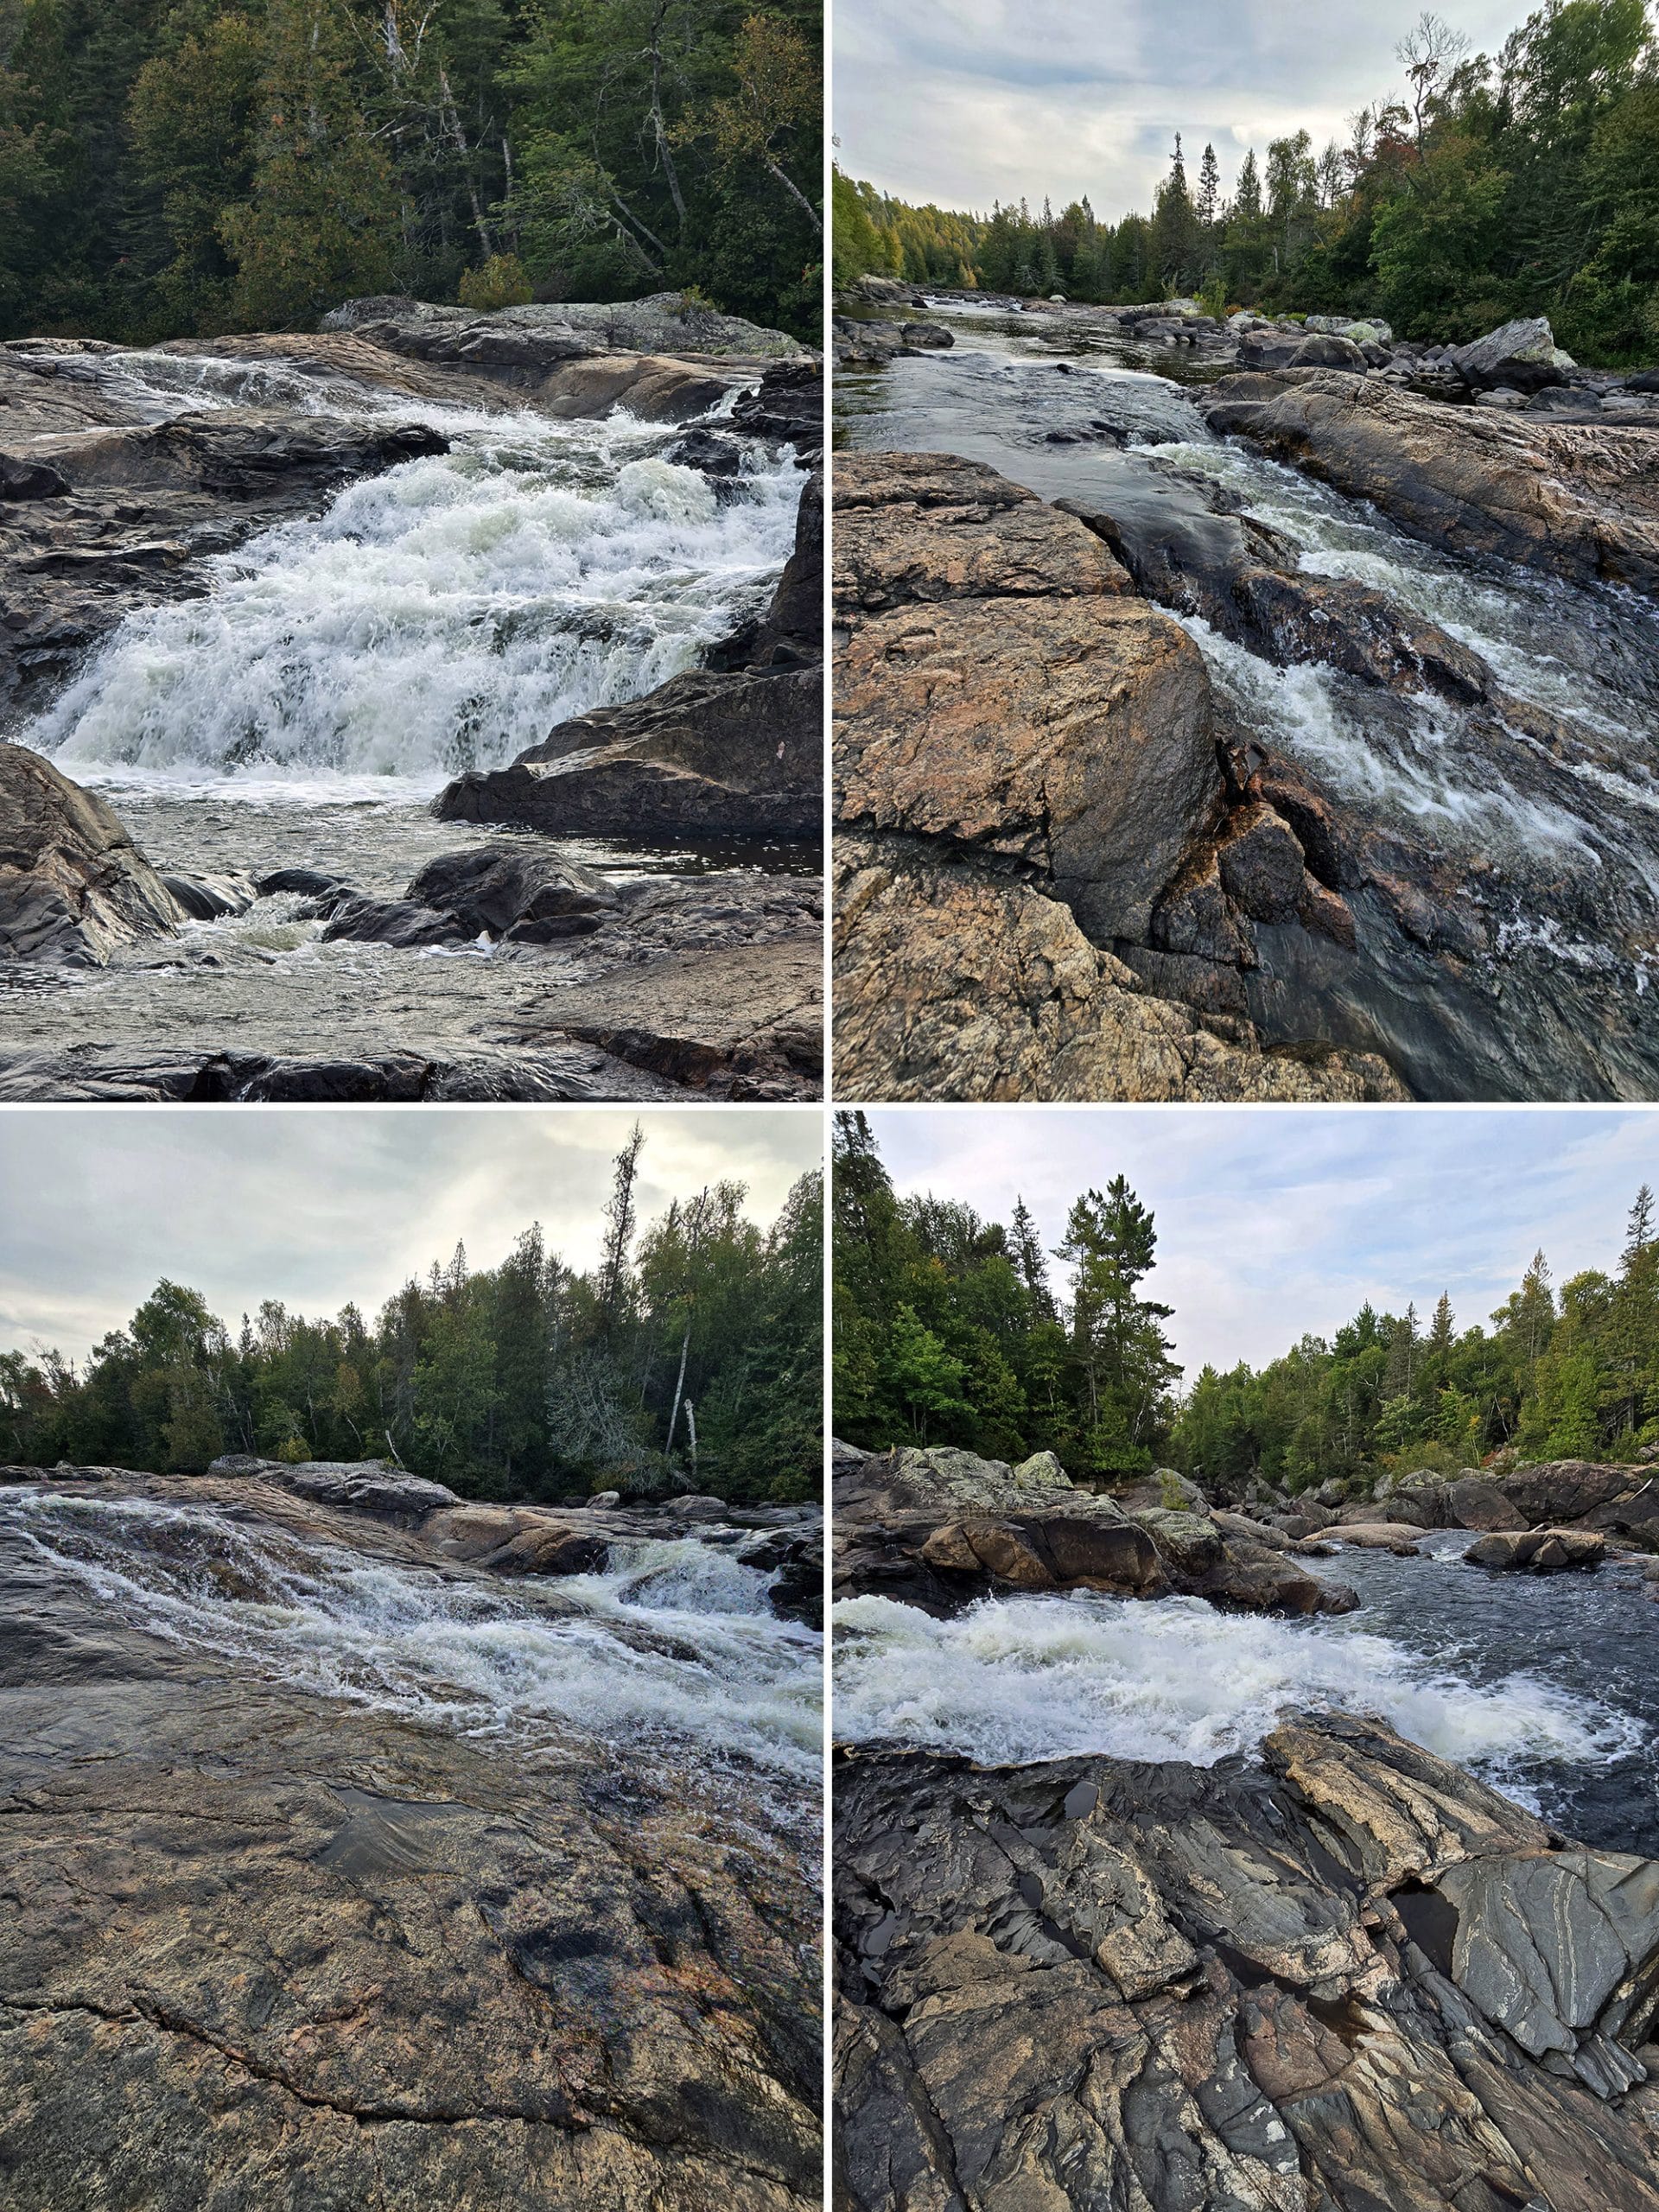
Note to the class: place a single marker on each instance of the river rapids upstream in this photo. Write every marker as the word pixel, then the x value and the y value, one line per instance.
pixel 671 1661
pixel 1547 1688
pixel 1563 845
pixel 343 667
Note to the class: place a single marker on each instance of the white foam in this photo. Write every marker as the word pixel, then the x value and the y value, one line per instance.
pixel 662 1650
pixel 440 616
pixel 1013 1681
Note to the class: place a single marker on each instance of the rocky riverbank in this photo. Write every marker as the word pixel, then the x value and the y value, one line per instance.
pixel 456 1854
pixel 1290 1975
pixel 130 483
pixel 1335 828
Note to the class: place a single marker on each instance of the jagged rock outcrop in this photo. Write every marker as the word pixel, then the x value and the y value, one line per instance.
pixel 955 981
pixel 1580 501
pixel 937 1528
pixel 1048 861
pixel 1610 1500
pixel 73 887
pixel 267 1945
pixel 735 749
pixel 1344 1979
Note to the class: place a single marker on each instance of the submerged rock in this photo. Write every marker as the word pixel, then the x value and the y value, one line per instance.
pixel 1347 1977
pixel 73 887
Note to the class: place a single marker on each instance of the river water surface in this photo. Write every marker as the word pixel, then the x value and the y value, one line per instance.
pixel 343 668
pixel 1547 1687
pixel 1564 851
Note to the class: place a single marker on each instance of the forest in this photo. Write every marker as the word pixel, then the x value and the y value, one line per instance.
pixel 187 168
pixel 691 1355
pixel 949 1328
pixel 1480 187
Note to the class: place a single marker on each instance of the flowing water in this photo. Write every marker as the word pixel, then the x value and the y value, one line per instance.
pixel 672 1656
pixel 1546 1687
pixel 1562 846
pixel 344 667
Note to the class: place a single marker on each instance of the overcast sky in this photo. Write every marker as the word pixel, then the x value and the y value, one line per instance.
pixel 320 1207
pixel 1276 1222
pixel 967 101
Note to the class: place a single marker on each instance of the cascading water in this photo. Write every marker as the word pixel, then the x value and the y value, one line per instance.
pixel 443 616
pixel 1562 844
pixel 672 1651
pixel 1548 1690
pixel 439 617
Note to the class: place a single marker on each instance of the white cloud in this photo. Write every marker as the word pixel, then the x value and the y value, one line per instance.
pixel 317 1207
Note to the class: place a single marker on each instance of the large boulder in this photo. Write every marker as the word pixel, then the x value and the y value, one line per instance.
pixel 1474 1503
pixel 1071 735
pixel 1521 356
pixel 370 1486
pixel 516 893
pixel 1537 1551
pixel 1623 1500
pixel 73 887
pixel 707 754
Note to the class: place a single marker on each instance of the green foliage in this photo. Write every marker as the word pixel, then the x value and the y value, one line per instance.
pixel 1572 1376
pixel 700 1352
pixel 948 1332
pixel 180 167
pixel 501 282
pixel 1523 184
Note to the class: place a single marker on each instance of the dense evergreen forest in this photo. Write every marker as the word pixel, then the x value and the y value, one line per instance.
pixel 176 168
pixel 696 1346
pixel 1484 187
pixel 949 1328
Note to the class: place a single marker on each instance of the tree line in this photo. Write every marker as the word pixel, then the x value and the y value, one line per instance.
pixel 178 167
pixel 949 1328
pixel 692 1353
pixel 1480 187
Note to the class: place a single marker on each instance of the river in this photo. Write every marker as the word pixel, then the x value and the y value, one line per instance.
pixel 343 667
pixel 1562 847
pixel 1546 1688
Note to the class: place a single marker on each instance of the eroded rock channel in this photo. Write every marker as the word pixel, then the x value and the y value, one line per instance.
pixel 1328 770
pixel 371 1847
pixel 331 627
pixel 1176 1869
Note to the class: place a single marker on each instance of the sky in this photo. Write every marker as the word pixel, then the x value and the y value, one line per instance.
pixel 1275 1222
pixel 316 1208
pixel 963 102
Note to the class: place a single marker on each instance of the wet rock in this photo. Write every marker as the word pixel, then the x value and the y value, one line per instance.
pixel 926 337
pixel 952 983
pixel 520 339
pixel 707 754
pixel 785 407
pixel 1537 1551
pixel 331 1957
pixel 743 1021
pixel 73 887
pixel 1580 501
pixel 518 894
pixel 791 631
pixel 556 1069
pixel 23 479
pixel 1261 864
pixel 211 897
pixel 1272 1986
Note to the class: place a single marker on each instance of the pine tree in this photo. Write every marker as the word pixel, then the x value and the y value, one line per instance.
pixel 1207 205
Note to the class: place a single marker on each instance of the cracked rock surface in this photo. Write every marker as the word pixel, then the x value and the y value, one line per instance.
pixel 1346 1979
pixel 269 1947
